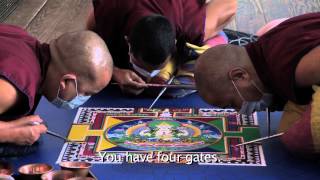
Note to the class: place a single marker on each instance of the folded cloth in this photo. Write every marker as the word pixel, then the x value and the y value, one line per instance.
pixel 303 137
pixel 184 71
pixel 185 75
pixel 291 114
pixel 221 38
pixel 164 75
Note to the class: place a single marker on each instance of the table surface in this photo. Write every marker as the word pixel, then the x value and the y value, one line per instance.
pixel 280 163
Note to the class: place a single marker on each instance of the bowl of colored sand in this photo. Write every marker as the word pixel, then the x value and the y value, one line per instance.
pixel 79 168
pixel 58 175
pixel 6 177
pixel 34 171
pixel 6 169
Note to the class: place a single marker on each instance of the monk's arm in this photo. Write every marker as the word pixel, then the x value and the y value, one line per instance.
pixel 8 96
pixel 307 71
pixel 218 14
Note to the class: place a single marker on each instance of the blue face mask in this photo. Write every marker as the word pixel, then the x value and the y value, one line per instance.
pixel 73 103
pixel 145 73
pixel 249 107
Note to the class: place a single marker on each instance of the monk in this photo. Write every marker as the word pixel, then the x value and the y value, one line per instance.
pixel 67 71
pixel 279 71
pixel 145 36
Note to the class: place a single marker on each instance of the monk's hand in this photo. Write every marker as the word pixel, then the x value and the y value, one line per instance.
pixel 129 81
pixel 27 120
pixel 26 131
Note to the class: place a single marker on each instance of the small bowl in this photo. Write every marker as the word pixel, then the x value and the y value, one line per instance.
pixel 34 171
pixel 79 168
pixel 58 175
pixel 6 177
pixel 6 169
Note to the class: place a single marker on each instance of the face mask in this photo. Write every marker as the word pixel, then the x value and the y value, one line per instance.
pixel 248 107
pixel 140 70
pixel 145 73
pixel 72 104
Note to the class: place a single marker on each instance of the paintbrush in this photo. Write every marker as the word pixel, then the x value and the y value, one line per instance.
pixel 176 86
pixel 260 139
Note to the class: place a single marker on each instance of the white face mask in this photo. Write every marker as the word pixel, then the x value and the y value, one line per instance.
pixel 72 104
pixel 248 107
pixel 140 70
pixel 145 73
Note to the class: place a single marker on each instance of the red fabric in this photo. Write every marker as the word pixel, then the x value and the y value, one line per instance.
pixel 298 137
pixel 276 54
pixel 115 18
pixel 23 62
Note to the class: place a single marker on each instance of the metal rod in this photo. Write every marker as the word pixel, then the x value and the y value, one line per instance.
pixel 161 92
pixel 56 135
pixel 260 139
pixel 50 132
pixel 173 86
pixel 268 122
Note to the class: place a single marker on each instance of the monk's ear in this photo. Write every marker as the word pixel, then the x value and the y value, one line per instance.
pixel 67 78
pixel 239 74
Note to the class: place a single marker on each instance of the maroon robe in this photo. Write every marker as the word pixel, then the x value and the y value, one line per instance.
pixel 23 63
pixel 276 55
pixel 115 18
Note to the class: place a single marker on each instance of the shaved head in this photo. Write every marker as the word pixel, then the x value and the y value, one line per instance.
pixel 213 66
pixel 83 53
pixel 212 72
pixel 78 57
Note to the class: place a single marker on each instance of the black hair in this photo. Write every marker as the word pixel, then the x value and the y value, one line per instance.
pixel 152 39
